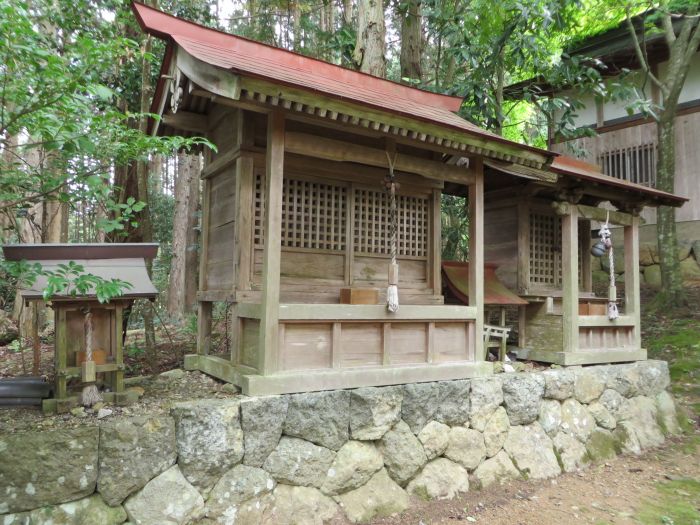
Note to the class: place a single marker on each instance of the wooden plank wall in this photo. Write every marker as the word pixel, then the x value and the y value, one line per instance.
pixel 324 345
pixel 501 241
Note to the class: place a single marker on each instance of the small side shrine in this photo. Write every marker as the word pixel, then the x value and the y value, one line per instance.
pixel 88 334
pixel 542 230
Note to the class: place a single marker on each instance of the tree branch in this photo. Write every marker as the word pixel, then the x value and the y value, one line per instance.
pixel 640 55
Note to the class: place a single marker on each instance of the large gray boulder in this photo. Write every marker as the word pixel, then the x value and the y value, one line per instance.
pixel 301 506
pixel 498 469
pixel 84 511
pixel 531 451
pixel 122 471
pixel 654 377
pixel 373 411
pixel 466 447
pixel 353 466
pixel 235 487
pixel 299 462
pixel 440 479
pixel 420 404
pixel 453 406
pixel 434 437
pixel 602 445
pixel 209 439
pixel 550 416
pixel 485 397
pixel 403 453
pixel 262 422
pixel 379 497
pixel 667 415
pixel 572 453
pixel 638 427
pixel 576 420
pixel 522 395
pixel 168 499
pixel 624 379
pixel 559 383
pixel 255 511
pixel 589 383
pixel 602 415
pixel 47 467
pixel 612 401
pixel 320 417
pixel 496 431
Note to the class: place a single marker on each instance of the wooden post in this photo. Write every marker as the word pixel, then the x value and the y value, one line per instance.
pixel 632 302
pixel 569 275
pixel 476 256
pixel 61 357
pixel 204 309
pixel 118 349
pixel 204 327
pixel 245 189
pixel 436 242
pixel 268 348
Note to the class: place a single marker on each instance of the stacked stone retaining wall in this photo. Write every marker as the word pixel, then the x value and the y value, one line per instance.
pixel 305 458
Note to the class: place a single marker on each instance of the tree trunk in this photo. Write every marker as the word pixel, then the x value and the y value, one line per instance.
pixel 369 54
pixel 296 26
pixel 182 286
pixel 411 41
pixel 347 12
pixel 671 282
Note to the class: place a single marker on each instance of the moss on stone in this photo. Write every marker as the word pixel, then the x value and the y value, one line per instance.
pixel 602 446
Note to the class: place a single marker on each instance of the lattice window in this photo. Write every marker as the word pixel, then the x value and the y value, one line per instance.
pixel 545 249
pixel 313 214
pixel 371 228
pixel 635 164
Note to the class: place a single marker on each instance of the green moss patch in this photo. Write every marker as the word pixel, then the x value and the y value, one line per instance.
pixel 677 504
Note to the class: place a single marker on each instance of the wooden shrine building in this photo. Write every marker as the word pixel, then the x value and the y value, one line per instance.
pixel 296 209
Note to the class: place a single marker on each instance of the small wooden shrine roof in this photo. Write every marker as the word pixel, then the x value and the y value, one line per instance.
pixel 495 292
pixel 125 261
pixel 254 60
pixel 575 168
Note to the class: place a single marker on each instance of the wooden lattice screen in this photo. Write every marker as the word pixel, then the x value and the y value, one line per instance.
pixel 313 214
pixel 371 228
pixel 545 249
pixel 635 164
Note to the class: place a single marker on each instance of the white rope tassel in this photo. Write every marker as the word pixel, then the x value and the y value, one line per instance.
pixel 392 298
pixel 90 394
pixel 606 236
pixel 392 291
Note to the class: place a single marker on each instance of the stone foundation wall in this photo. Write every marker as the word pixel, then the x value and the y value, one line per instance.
pixel 304 458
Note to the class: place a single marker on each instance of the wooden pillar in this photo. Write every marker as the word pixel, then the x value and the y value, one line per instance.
pixel 118 349
pixel 632 306
pixel 436 242
pixel 245 190
pixel 61 357
pixel 523 247
pixel 476 256
pixel 268 347
pixel 569 275
pixel 204 308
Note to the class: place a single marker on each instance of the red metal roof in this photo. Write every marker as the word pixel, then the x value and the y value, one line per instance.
pixel 570 166
pixel 258 60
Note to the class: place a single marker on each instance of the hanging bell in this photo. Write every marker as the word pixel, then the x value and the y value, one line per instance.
pixel 598 249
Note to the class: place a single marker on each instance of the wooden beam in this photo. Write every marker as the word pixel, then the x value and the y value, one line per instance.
pixel 585 250
pixel 523 247
pixel 596 214
pixel 340 151
pixel 268 349
pixel 187 121
pixel 436 242
pixel 212 79
pixel 245 195
pixel 476 256
pixel 374 312
pixel 632 300
pixel 569 273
